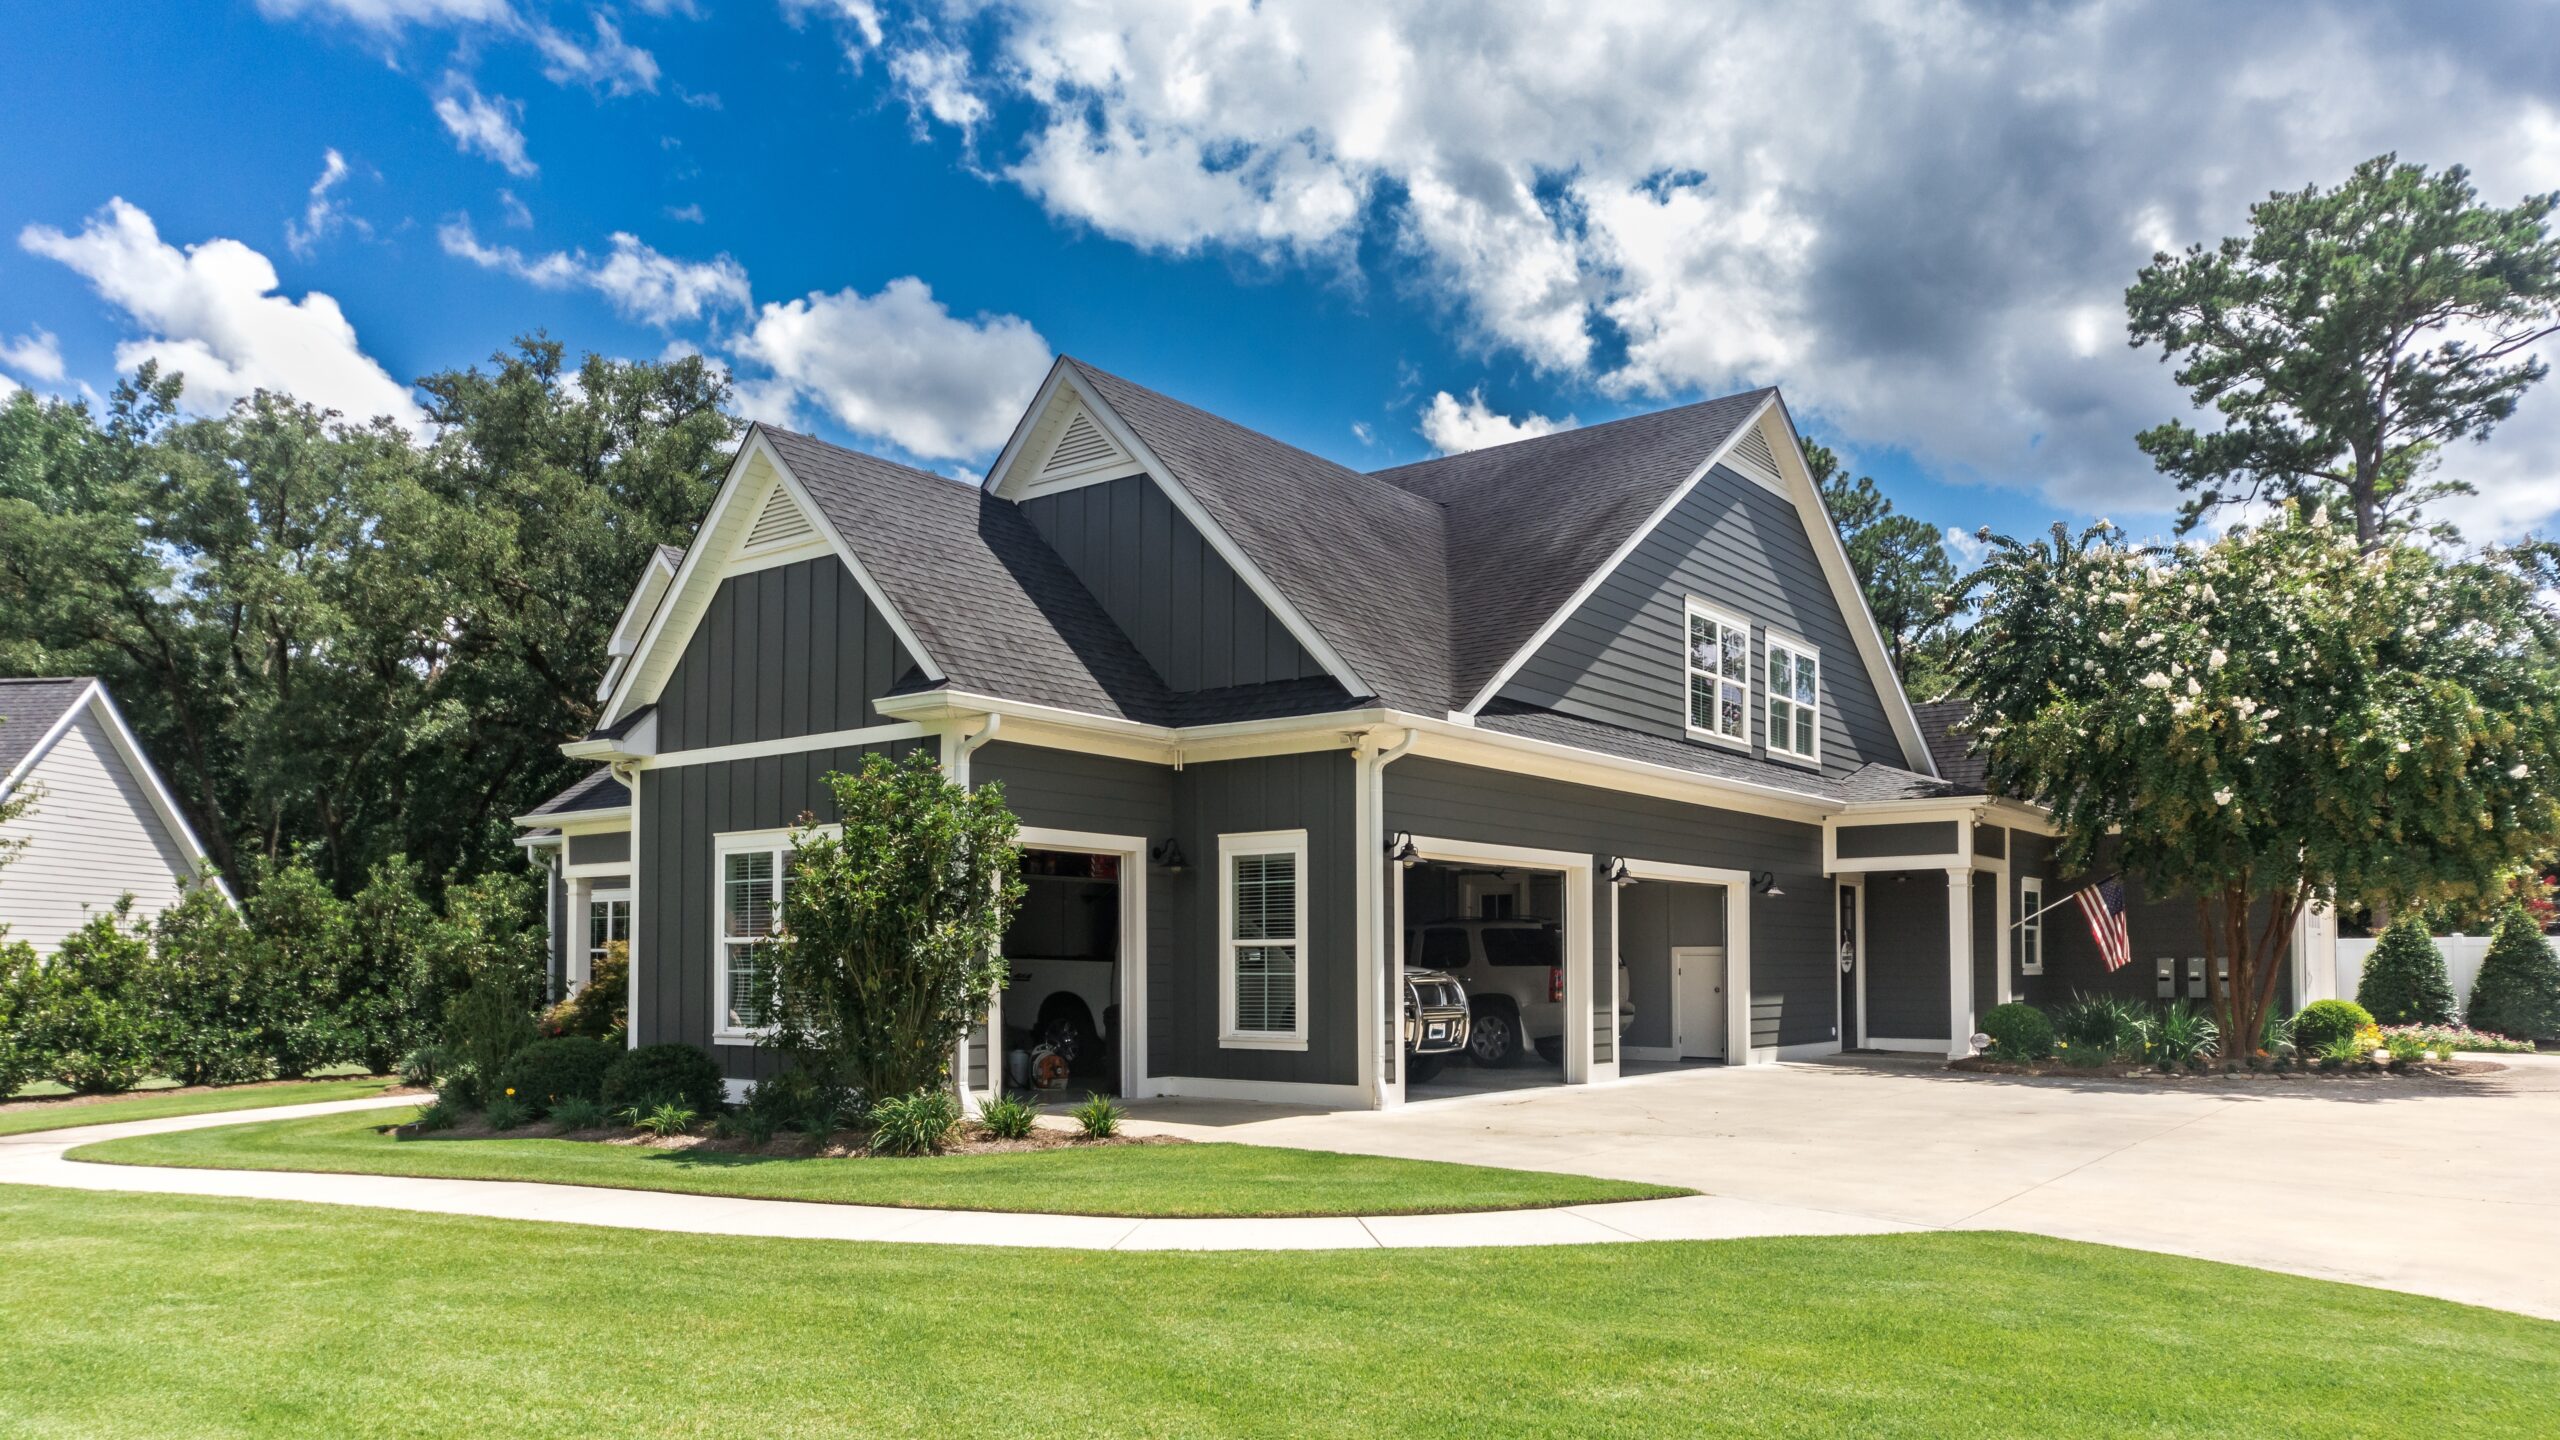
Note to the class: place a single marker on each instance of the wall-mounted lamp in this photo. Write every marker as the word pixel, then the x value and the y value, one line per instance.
pixel 1618 872
pixel 1400 849
pixel 1766 883
pixel 1167 857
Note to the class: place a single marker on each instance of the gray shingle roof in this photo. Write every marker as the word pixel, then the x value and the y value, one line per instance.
pixel 29 709
pixel 596 790
pixel 1950 751
pixel 1361 559
pixel 1586 491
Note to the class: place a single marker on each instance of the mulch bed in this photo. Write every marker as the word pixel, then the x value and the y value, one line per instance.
pixel 56 1102
pixel 791 1145
pixel 2053 1070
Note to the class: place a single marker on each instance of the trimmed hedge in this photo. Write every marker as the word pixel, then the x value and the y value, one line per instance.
pixel 656 1075
pixel 2019 1033
pixel 2324 1022
pixel 2518 989
pixel 2404 981
pixel 549 1072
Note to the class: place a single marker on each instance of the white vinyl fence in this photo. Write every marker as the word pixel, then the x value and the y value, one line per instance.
pixel 2462 957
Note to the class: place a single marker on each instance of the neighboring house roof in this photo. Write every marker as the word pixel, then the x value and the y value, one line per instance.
pixel 32 713
pixel 598 789
pixel 1590 489
pixel 1950 750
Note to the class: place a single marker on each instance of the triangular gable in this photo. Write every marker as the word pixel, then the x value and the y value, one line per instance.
pixel 94 700
pixel 1072 436
pixel 1765 450
pixel 761 516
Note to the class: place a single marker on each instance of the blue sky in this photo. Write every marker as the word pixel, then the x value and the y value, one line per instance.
pixel 1371 229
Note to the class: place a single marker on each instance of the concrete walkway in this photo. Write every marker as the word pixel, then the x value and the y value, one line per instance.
pixel 37 1159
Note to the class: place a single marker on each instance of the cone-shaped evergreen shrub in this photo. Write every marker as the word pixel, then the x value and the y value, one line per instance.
pixel 2404 978
pixel 2518 992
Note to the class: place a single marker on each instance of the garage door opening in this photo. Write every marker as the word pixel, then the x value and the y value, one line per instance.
pixel 1063 1035
pixel 1499 931
pixel 1674 954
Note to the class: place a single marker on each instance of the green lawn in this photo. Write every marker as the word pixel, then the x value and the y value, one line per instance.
pixel 1154 1180
pixel 155 1105
pixel 181 1316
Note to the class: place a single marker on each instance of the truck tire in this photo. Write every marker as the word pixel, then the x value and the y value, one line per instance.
pixel 1493 1037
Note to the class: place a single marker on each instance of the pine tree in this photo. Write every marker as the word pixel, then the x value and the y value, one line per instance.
pixel 2404 978
pixel 2518 992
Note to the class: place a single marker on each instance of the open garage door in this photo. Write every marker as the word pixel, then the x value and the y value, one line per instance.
pixel 1511 935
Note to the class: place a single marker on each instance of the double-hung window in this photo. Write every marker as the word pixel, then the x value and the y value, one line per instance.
pixel 608 924
pixel 1262 923
pixel 751 870
pixel 2030 927
pixel 1719 659
pixel 1795 723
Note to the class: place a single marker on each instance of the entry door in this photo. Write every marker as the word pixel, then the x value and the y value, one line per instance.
pixel 1697 977
pixel 1852 1033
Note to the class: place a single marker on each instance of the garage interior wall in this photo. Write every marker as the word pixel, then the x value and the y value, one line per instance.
pixel 1654 917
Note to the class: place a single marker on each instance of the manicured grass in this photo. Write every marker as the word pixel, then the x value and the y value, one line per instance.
pixel 183 1316
pixel 155 1105
pixel 1153 1180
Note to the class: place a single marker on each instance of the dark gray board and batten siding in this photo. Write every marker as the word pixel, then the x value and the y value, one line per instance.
pixel 1619 658
pixel 1794 992
pixel 612 847
pixel 1906 955
pixel 1885 842
pixel 1170 591
pixel 792 650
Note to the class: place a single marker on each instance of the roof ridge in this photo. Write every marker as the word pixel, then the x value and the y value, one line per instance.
pixel 48 679
pixel 1572 431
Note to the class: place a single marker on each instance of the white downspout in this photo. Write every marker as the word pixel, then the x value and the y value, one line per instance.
pixel 628 772
pixel 958 767
pixel 1381 980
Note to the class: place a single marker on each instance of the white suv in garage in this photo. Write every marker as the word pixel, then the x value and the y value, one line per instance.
pixel 1513 971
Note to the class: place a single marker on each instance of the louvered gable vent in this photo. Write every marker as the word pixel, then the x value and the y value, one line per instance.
pixel 1083 449
pixel 1751 455
pixel 782 523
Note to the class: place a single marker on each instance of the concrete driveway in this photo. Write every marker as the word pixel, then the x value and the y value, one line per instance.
pixel 2447 1188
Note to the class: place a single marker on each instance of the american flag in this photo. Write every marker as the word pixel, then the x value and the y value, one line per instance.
pixel 2103 903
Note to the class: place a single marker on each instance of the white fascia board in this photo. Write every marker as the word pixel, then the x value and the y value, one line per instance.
pixel 1608 567
pixel 129 749
pixel 52 736
pixel 656 579
pixel 709 538
pixel 566 819
pixel 1848 594
pixel 1062 377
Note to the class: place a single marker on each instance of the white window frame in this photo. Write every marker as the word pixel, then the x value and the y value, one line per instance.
pixel 2030 923
pixel 1796 650
pixel 1692 612
pixel 590 950
pixel 740 842
pixel 1232 848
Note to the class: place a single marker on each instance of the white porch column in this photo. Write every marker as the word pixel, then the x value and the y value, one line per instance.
pixel 1959 961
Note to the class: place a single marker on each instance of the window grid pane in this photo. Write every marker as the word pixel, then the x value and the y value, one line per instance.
pixel 1266 988
pixel 1794 714
pixel 1266 902
pixel 1719 676
pixel 748 989
pixel 748 894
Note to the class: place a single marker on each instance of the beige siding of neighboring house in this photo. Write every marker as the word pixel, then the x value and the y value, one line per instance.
pixel 94 834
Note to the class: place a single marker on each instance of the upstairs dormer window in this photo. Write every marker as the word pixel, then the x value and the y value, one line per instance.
pixel 1795 715
pixel 1719 676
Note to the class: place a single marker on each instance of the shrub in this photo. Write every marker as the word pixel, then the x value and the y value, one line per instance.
pixel 2448 1039
pixel 2094 1029
pixel 208 1011
pixel 442 1115
pixel 292 964
pixel 2184 1036
pixel 506 1112
pixel 756 1127
pixel 2405 1047
pixel 580 1115
pixel 888 952
pixel 23 1056
pixel 1009 1117
pixel 424 1066
pixel 918 1124
pixel 2019 1033
pixel 664 1121
pixel 656 1075
pixel 92 1011
pixel 2323 1021
pixel 2404 978
pixel 485 1027
pixel 547 1072
pixel 383 988
pixel 1099 1117
pixel 2518 989
pixel 600 1007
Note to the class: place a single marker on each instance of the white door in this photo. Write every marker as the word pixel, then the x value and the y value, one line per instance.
pixel 1697 979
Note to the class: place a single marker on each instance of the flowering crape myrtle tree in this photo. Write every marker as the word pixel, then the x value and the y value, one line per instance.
pixel 2273 719
pixel 887 951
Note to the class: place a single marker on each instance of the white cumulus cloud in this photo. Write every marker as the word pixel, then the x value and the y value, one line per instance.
pixel 640 282
pixel 1452 424
pixel 606 63
pixel 36 355
pixel 897 365
pixel 323 213
pixel 485 125
pixel 392 14
pixel 212 312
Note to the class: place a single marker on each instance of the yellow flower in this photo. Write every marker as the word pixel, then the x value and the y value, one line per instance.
pixel 511 1089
